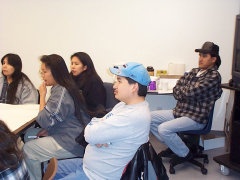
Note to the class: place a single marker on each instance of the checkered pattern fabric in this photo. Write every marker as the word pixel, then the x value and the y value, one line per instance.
pixel 20 173
pixel 196 95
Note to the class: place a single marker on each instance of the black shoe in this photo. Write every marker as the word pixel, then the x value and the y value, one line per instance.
pixel 179 160
pixel 166 153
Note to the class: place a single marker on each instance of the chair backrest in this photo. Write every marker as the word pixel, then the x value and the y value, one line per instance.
pixel 145 165
pixel 111 100
pixel 206 129
pixel 38 96
pixel 51 169
pixel 131 170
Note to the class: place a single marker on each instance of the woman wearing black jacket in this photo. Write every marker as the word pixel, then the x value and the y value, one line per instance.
pixel 88 81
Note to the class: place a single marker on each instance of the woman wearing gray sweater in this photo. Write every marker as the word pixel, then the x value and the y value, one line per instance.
pixel 15 86
pixel 62 117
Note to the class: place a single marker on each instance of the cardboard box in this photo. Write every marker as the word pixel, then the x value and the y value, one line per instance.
pixel 212 141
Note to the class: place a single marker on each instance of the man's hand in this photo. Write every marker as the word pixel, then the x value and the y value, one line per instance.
pixel 43 133
pixel 100 145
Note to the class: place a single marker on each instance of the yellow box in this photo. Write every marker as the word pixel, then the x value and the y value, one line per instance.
pixel 161 72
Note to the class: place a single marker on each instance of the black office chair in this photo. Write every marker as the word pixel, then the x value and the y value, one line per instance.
pixel 197 149
pixel 145 165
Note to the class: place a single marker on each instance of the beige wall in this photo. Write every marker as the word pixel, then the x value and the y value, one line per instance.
pixel 153 32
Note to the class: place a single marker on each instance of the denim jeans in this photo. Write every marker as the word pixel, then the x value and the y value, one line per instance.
pixel 70 169
pixel 165 127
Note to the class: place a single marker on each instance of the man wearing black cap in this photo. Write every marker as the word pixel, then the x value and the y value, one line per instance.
pixel 196 93
pixel 212 51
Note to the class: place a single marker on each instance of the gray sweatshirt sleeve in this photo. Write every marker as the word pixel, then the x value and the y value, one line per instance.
pixel 56 109
pixel 107 131
pixel 1 84
pixel 27 94
pixel 118 124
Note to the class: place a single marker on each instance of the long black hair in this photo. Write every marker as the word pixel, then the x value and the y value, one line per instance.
pixel 218 61
pixel 17 77
pixel 90 71
pixel 10 154
pixel 61 75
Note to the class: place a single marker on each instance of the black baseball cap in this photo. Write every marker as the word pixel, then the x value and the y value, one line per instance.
pixel 208 48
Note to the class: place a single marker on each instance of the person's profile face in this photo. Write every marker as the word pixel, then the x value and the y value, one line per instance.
pixel 47 76
pixel 206 61
pixel 76 66
pixel 122 89
pixel 7 69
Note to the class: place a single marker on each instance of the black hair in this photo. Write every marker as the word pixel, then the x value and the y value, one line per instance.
pixel 10 154
pixel 218 61
pixel 86 60
pixel 142 91
pixel 61 75
pixel 17 77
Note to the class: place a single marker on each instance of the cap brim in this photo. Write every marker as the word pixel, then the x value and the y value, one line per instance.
pixel 202 51
pixel 113 70
pixel 118 72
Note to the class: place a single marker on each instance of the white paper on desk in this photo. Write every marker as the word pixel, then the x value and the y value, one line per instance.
pixel 17 115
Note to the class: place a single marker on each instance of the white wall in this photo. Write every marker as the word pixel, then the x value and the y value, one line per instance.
pixel 152 32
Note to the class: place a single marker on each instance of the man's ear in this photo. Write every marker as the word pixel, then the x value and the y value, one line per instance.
pixel 214 59
pixel 135 87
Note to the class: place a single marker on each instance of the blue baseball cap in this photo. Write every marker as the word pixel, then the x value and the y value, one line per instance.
pixel 133 70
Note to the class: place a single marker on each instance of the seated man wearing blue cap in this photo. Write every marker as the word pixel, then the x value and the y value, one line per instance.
pixel 114 139
pixel 196 93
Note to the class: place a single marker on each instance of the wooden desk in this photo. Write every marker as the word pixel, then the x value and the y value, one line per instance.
pixel 24 127
pixel 19 117
pixel 160 92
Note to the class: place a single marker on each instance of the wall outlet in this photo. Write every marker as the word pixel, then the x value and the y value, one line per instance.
pixel 159 108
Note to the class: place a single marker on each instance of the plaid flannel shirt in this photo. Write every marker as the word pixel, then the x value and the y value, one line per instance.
pixel 196 95
pixel 19 173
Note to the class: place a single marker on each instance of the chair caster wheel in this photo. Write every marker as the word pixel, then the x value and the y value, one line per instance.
pixel 206 161
pixel 224 170
pixel 204 170
pixel 171 170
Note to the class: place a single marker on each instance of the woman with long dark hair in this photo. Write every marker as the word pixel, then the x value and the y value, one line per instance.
pixel 62 118
pixel 15 86
pixel 12 165
pixel 88 81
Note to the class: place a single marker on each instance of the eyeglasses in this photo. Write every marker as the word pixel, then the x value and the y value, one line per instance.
pixel 41 73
